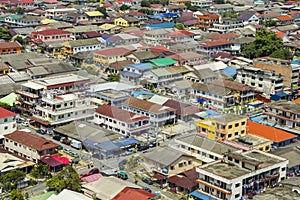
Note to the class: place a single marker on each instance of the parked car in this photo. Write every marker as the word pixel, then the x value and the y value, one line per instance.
pixel 147 189
pixel 142 148
pixel 147 180
pixel 20 119
pixel 66 141
pixel 91 172
pixel 25 123
pixel 122 175
pixel 41 131
pixel 57 137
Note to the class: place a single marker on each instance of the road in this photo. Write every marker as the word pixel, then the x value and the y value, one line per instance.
pixel 36 189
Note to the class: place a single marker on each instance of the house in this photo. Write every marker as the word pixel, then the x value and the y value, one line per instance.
pixel 238 43
pixel 284 113
pixel 31 91
pixel 155 37
pixel 284 20
pixel 58 12
pixel 181 36
pixel 204 75
pixel 206 21
pixel 212 47
pixel 164 76
pixel 142 56
pixel 127 22
pixel 263 80
pixel 133 72
pixel 118 66
pixel 163 62
pixel 168 161
pixel 29 146
pixel 4 69
pixel 220 8
pixel 94 16
pixel 50 36
pixel 10 48
pixel 75 46
pixel 248 17
pixel 75 18
pixel 279 137
pixel 121 121
pixel 123 39
pixel 78 32
pixel 7 121
pixel 159 115
pixel 289 70
pixel 188 58
pixel 107 56
pixel 184 182
pixel 226 25
pixel 239 174
pixel 66 194
pixel 202 4
pixel 133 193
pixel 56 108
pixel 23 21
pixel 184 111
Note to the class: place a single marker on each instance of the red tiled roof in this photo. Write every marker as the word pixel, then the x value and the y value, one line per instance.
pixel 209 16
pixel 132 193
pixel 182 108
pixel 280 34
pixel 6 113
pixel 10 45
pixel 284 18
pixel 156 5
pixel 113 51
pixel 31 140
pixel 50 1
pixel 119 114
pixel 216 43
pixel 26 1
pixel 159 49
pixel 51 32
pixel 181 33
pixel 224 36
pixel 268 132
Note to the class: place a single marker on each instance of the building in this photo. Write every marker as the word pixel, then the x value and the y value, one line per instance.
pixel 202 4
pixel 10 48
pixel 7 122
pixel 28 145
pixel 220 8
pixel 50 35
pixel 264 81
pixel 111 97
pixel 33 90
pixel 58 13
pixel 107 56
pixel 284 113
pixel 56 108
pixel 121 121
pixel 75 46
pixel 127 22
pixel 206 21
pixel 159 115
pixel 289 70
pixel 240 174
pixel 23 21
pixel 168 161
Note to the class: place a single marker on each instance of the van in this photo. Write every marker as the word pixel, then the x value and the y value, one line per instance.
pixel 76 144
pixel 122 175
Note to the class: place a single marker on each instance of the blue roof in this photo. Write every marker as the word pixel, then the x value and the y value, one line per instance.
pixel 141 66
pixel 108 146
pixel 230 71
pixel 141 92
pixel 161 25
pixel 295 62
pixel 158 16
pixel 277 96
pixel 212 113
pixel 89 143
pixel 201 195
pixel 169 15
pixel 131 74
pixel 127 142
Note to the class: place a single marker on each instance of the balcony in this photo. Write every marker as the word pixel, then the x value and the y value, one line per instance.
pixel 214 186
pixel 27 94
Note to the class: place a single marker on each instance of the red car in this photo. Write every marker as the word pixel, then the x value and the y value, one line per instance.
pixel 92 171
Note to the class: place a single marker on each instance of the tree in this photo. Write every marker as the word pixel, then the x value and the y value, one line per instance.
pixel 102 10
pixel 19 10
pixel 283 53
pixel 270 23
pixel 5 34
pixel 16 195
pixel 67 178
pixel 179 26
pixel 190 7
pixel 11 179
pixel 219 1
pixel 114 77
pixel 40 171
pixel 146 11
pixel 124 7
pixel 145 3
pixel 266 42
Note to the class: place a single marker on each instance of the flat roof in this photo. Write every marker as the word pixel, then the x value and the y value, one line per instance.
pixel 112 94
pixel 55 80
pixel 33 85
pixel 226 118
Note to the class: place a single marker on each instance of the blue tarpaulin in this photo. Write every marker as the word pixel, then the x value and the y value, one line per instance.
pixel 141 92
pixel 230 71
pixel 200 195
pixel 277 96
pixel 127 142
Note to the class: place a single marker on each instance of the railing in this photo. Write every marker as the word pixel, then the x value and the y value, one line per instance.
pixel 214 186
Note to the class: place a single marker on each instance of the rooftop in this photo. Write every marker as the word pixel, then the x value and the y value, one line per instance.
pixel 112 94
pixel 55 80
pixel 285 105
pixel 6 113
pixel 228 118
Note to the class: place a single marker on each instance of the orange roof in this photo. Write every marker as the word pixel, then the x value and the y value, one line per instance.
pixel 280 34
pixel 268 132
pixel 132 193
pixel 284 18
pixel 297 100
pixel 209 16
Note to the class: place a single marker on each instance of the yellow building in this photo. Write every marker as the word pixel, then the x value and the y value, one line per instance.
pixel 227 126
pixel 127 22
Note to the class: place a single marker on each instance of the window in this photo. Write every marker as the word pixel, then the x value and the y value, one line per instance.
pixel 236 133
pixel 180 165
pixel 236 125
pixel 237 196
pixel 229 135
pixel 243 123
pixel 230 126
pixel 237 185
pixel 283 169
pixel 5 127
pixel 5 120
pixel 172 168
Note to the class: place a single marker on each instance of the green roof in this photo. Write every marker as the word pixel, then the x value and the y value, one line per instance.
pixel 44 196
pixel 9 99
pixel 161 62
pixel 16 16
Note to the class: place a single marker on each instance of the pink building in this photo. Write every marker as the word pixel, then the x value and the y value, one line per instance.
pixel 50 36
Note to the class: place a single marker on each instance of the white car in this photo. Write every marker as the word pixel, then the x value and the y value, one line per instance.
pixel 26 123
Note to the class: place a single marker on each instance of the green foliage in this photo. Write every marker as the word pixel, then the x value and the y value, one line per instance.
pixel 67 178
pixel 16 195
pixel 40 171
pixel 145 3
pixel 102 10
pixel 230 14
pixel 146 11
pixel 5 34
pixel 190 7
pixel 270 23
pixel 6 106
pixel 124 7
pixel 266 42
pixel 10 179
pixel 132 162
pixel 114 77
pixel 219 1
pixel 19 10
pixel 283 53
pixel 19 39
pixel 179 26
pixel 92 1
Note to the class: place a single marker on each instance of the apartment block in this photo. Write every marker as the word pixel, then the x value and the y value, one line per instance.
pixel 7 121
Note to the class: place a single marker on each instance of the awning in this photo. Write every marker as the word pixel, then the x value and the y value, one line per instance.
pixel 158 177
pixel 202 196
